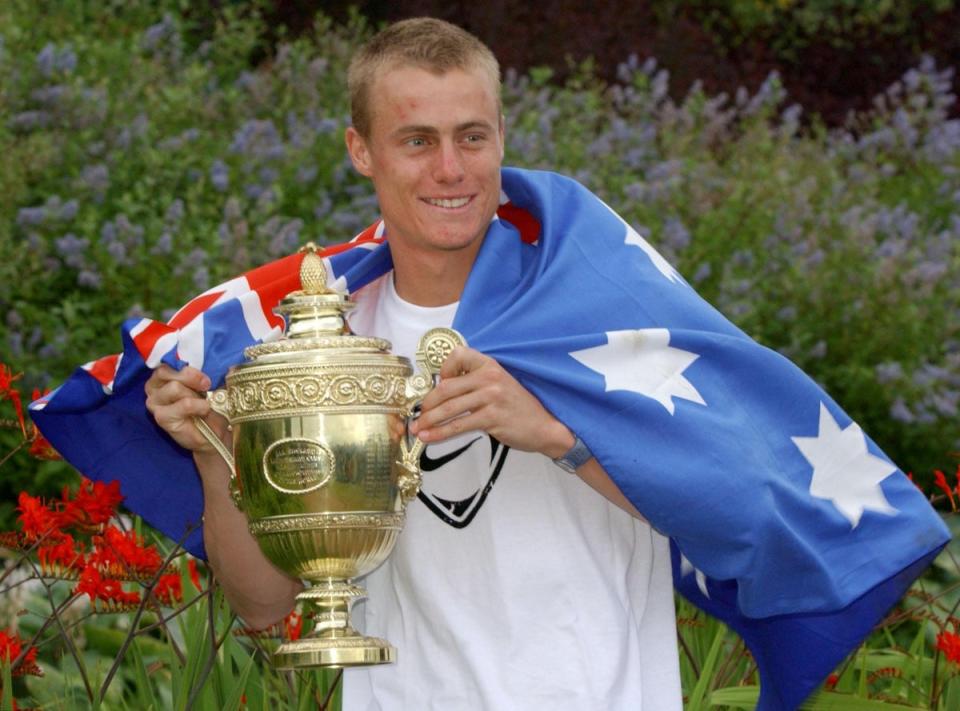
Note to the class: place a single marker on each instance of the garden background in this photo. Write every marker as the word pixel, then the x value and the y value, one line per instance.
pixel 799 162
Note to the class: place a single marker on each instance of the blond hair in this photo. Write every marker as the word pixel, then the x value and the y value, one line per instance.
pixel 423 42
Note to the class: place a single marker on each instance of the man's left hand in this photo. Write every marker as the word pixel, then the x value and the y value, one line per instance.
pixel 476 393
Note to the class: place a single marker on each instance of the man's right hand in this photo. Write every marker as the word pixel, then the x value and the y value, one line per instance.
pixel 174 398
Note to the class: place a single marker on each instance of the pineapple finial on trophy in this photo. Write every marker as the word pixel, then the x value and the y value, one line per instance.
pixel 313 273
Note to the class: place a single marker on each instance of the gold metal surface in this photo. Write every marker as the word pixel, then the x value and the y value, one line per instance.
pixel 323 465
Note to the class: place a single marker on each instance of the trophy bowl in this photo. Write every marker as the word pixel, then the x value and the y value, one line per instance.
pixel 322 463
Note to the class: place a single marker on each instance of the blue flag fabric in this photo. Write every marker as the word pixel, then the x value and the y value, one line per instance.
pixel 787 522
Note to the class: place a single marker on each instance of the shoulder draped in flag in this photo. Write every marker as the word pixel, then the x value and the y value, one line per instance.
pixel 787 522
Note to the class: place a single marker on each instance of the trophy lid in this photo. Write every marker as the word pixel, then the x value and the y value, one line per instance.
pixel 314 317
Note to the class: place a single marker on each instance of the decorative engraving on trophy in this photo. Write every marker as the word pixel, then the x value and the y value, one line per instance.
pixel 321 521
pixel 287 390
pixel 435 346
pixel 297 466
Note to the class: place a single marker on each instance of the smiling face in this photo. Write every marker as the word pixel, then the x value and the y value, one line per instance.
pixel 433 152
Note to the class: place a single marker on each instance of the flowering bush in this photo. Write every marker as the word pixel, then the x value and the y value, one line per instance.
pixel 146 159
pixel 80 559
pixel 147 156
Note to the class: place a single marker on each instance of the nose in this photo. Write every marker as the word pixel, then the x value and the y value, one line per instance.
pixel 448 167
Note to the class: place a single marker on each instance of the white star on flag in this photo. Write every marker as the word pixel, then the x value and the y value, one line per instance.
pixel 642 361
pixel 686 567
pixel 844 472
pixel 663 266
pixel 633 237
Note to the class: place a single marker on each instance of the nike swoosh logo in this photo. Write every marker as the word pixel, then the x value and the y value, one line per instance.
pixel 429 464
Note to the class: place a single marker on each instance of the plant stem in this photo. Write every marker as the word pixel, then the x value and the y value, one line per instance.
pixel 214 648
pixel 128 640
pixel 333 688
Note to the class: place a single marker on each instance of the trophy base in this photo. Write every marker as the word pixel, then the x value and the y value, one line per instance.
pixel 337 652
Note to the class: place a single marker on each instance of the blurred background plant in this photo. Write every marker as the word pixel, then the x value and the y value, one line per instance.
pixel 153 149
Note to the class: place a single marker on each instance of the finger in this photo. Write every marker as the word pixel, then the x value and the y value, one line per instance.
pixel 182 410
pixel 466 422
pixel 189 376
pixel 449 409
pixel 171 392
pixel 462 360
pixel 448 388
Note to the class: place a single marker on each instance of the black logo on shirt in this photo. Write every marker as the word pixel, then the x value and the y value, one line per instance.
pixel 460 513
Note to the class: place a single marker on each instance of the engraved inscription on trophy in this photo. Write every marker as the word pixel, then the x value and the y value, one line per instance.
pixel 297 466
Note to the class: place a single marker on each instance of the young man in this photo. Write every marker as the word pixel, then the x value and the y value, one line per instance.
pixel 514 585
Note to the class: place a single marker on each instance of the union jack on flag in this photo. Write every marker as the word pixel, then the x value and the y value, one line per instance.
pixel 808 534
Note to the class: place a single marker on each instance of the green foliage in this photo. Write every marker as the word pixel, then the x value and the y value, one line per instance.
pixel 788 26
pixel 153 149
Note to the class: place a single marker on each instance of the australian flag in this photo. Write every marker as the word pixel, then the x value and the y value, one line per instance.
pixel 787 522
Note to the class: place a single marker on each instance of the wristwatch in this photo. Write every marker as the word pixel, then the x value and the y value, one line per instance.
pixel 577 455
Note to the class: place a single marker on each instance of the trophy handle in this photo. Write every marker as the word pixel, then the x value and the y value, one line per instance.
pixel 220 404
pixel 435 345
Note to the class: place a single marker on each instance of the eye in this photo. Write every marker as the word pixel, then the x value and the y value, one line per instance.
pixel 416 141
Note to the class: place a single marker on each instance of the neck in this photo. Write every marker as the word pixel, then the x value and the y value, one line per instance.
pixel 434 279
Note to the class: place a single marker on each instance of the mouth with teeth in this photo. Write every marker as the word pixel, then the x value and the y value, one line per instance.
pixel 448 203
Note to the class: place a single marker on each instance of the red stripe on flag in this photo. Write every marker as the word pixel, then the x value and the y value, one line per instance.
pixel 522 219
pixel 368 235
pixel 104 368
pixel 272 282
pixel 191 311
pixel 148 337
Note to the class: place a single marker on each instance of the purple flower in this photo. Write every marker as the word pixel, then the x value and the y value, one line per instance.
pixel 787 313
pixel 900 412
pixel 50 95
pixel 307 173
pixel 96 178
pixel 220 175
pixel 164 244
pixel 46 59
pixel 201 278
pixel 30 120
pixel 72 249
pixel 676 236
pixel 819 350
pixel 888 372
pixel 703 272
pixel 31 216
pixel 66 60
pixel 175 212
pixel 89 278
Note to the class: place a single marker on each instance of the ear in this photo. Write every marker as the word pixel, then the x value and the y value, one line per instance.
pixel 503 136
pixel 359 151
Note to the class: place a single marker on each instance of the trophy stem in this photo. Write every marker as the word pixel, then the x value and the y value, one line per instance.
pixel 334 642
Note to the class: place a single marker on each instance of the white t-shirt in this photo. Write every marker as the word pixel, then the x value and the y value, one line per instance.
pixel 513 584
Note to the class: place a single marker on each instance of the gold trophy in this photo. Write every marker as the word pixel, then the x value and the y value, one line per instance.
pixel 322 463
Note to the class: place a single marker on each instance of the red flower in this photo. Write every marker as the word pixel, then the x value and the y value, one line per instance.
pixel 109 591
pixel 949 644
pixel 63 558
pixel 7 379
pixel 169 589
pixel 123 555
pixel 10 647
pixel 36 518
pixel 194 573
pixel 941 481
pixel 94 504
pixel 292 624
pixel 40 448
